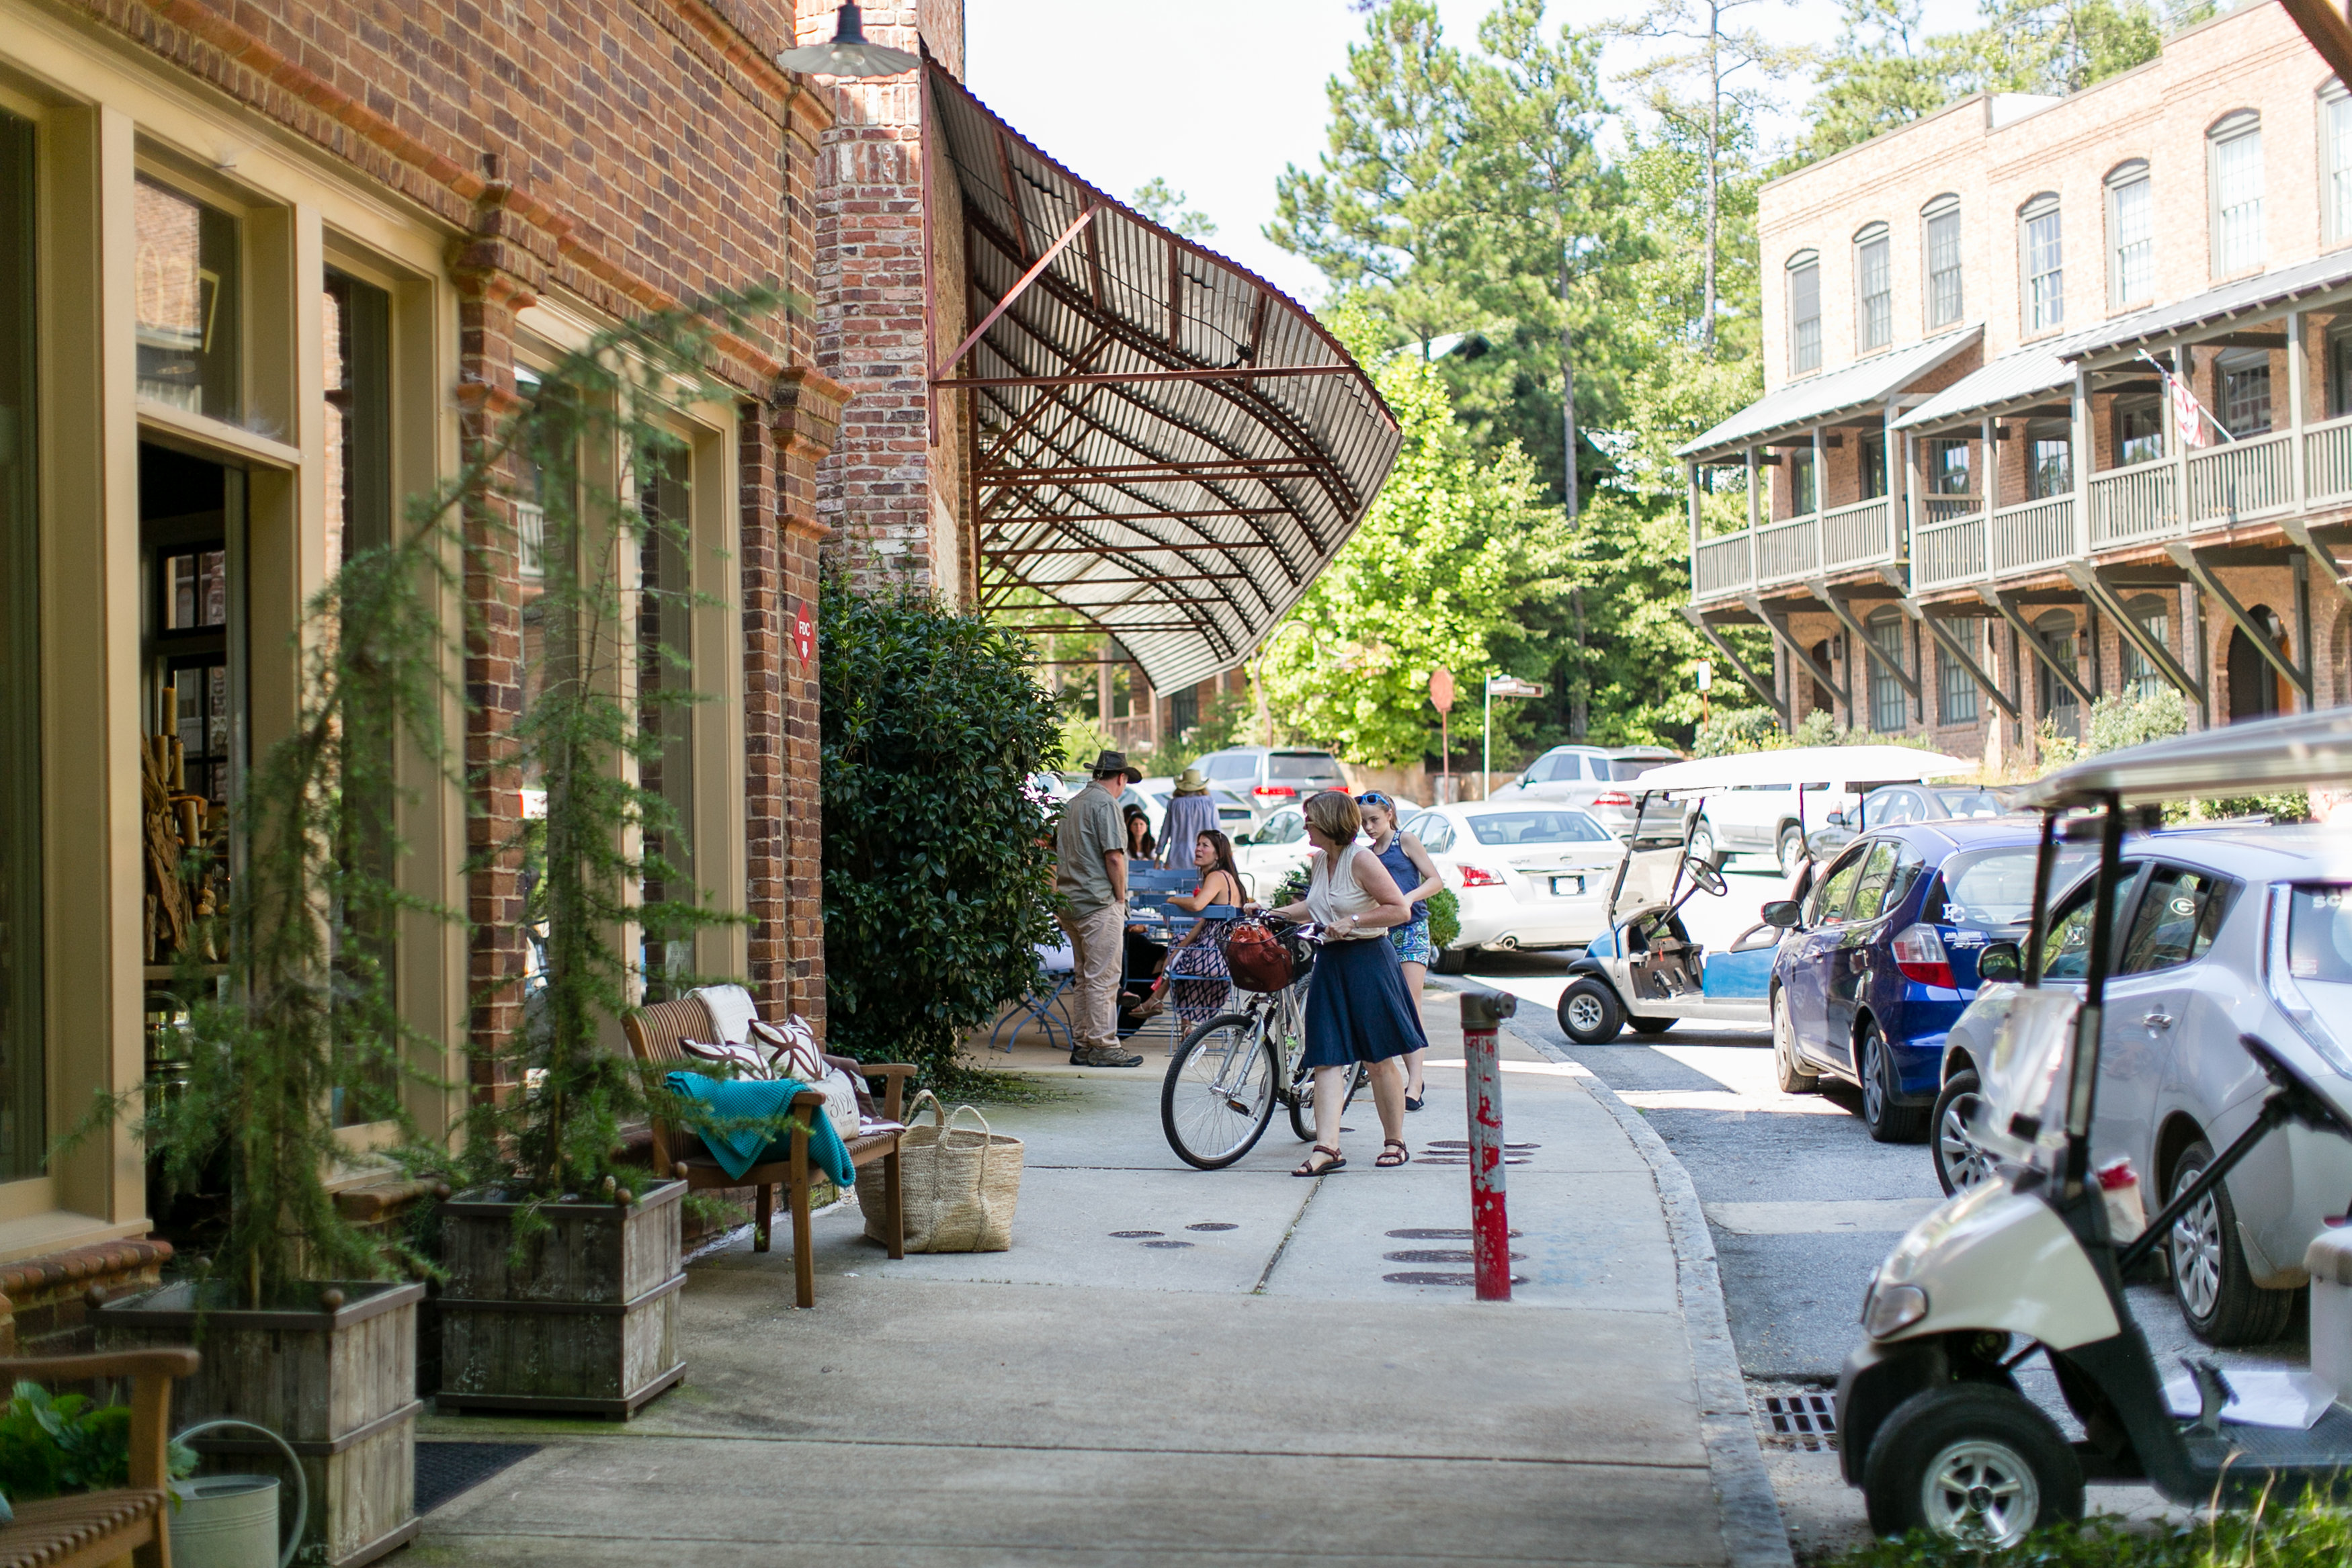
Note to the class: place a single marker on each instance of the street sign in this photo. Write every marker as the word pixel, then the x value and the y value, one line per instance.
pixel 1512 687
pixel 1706 675
pixel 1441 689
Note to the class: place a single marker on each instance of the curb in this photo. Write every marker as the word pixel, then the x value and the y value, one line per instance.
pixel 1754 1535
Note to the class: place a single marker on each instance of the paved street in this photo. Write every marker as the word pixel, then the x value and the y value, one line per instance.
pixel 1172 1365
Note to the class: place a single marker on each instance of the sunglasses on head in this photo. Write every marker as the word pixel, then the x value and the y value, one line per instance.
pixel 1374 798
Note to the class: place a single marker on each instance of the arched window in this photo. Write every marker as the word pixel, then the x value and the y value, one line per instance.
pixel 1874 288
pixel 2041 263
pixel 1940 237
pixel 2233 161
pixel 1804 313
pixel 2131 235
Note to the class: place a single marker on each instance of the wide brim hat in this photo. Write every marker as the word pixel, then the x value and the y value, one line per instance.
pixel 1192 781
pixel 1116 762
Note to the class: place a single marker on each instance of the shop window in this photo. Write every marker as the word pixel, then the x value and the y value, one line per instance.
pixel 1805 313
pixel 1873 288
pixel 2335 161
pixel 2045 263
pixel 2139 431
pixel 2131 235
pixel 2142 680
pixel 2050 461
pixel 1886 707
pixel 187 319
pixel 2246 376
pixel 665 661
pixel 22 1125
pixel 1940 221
pixel 2234 177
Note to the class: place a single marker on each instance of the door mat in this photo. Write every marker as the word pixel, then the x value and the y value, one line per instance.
pixel 445 1469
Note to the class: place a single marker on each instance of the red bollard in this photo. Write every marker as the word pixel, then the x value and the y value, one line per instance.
pixel 1482 1073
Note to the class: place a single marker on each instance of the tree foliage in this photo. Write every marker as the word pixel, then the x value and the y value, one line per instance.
pixel 937 863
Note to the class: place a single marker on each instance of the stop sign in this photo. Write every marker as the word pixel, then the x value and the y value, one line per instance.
pixel 1441 689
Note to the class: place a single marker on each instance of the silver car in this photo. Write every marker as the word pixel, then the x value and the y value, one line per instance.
pixel 1592 777
pixel 1272 777
pixel 2224 932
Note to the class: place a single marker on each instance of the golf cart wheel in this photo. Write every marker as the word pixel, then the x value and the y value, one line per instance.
pixel 1788 1068
pixel 1703 845
pixel 1960 1161
pixel 1888 1121
pixel 2210 1279
pixel 1973 1463
pixel 1452 960
pixel 1589 1013
pixel 1791 846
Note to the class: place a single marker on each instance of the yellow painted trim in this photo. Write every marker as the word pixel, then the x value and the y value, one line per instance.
pixel 214 438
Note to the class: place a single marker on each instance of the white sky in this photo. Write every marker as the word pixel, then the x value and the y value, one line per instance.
pixel 1216 96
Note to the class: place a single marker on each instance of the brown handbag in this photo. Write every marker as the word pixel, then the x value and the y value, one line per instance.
pixel 1257 959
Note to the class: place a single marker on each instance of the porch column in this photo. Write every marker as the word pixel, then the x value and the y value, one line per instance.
pixel 1821 493
pixel 1898 540
pixel 1988 480
pixel 2298 371
pixel 2184 365
pixel 2079 442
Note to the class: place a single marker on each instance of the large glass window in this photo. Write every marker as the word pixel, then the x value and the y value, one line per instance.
pixel 2142 680
pixel 2246 391
pixel 2335 162
pixel 1887 712
pixel 2044 265
pixel 2056 632
pixel 2139 431
pixel 2050 461
pixel 2234 163
pixel 1872 460
pixel 1947 468
pixel 1805 313
pixel 1956 689
pixel 666 656
pixel 185 271
pixel 1941 220
pixel 1873 288
pixel 23 1127
pixel 2131 235
pixel 1804 482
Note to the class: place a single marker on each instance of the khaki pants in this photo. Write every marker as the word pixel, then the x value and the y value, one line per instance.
pixel 1099 941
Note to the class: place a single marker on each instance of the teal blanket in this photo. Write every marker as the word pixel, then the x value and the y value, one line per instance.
pixel 741 1123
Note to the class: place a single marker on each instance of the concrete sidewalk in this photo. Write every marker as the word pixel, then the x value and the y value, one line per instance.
pixel 1238 1378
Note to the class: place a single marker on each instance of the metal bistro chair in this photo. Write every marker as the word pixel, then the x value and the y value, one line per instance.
pixel 1045 1004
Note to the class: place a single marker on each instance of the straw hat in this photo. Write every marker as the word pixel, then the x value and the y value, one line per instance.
pixel 1192 781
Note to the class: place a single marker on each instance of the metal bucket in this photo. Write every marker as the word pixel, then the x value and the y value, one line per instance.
pixel 226 1521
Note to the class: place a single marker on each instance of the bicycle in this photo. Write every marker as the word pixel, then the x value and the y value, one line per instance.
pixel 1227 1073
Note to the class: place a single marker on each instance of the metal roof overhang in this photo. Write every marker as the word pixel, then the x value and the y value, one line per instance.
pixel 1168 448
pixel 1821 399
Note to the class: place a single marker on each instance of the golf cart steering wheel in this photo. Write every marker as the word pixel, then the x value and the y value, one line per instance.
pixel 1704 877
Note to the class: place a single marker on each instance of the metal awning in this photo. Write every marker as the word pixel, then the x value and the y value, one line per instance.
pixel 2022 373
pixel 2263 294
pixel 1167 447
pixel 1818 400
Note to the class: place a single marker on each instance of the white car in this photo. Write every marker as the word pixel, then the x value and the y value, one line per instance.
pixel 1526 873
pixel 1272 853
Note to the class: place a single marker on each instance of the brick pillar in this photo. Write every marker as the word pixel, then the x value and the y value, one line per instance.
pixel 791 938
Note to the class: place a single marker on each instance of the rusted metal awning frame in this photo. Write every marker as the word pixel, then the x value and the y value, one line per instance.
pixel 1165 448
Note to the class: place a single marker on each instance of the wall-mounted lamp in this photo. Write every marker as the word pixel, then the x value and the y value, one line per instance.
pixel 849 54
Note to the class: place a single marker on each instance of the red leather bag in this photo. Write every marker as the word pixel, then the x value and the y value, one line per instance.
pixel 1255 958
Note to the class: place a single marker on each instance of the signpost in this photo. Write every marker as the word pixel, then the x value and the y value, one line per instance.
pixel 1441 697
pixel 1706 679
pixel 1499 686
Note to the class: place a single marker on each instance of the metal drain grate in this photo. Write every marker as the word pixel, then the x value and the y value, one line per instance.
pixel 1789 1415
pixel 443 1471
pixel 1419 1278
pixel 1425 1234
pixel 1441 1255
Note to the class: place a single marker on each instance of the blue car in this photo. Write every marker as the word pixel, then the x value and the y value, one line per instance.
pixel 1882 958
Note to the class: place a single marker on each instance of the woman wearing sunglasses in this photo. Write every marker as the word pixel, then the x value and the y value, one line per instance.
pixel 1417 875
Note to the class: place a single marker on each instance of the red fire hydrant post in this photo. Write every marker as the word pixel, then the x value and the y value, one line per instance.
pixel 1490 1224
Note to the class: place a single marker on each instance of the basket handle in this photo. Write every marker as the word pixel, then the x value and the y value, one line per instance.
pixel 986 1131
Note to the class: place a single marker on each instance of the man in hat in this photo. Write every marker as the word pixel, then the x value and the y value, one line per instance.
pixel 1190 814
pixel 1090 876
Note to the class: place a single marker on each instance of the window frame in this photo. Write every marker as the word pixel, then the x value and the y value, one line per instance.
pixel 1805 264
pixel 2232 131
pixel 1940 210
pixel 2041 313
pixel 2126 178
pixel 1955 687
pixel 2335 163
pixel 1874 310
pixel 1889 713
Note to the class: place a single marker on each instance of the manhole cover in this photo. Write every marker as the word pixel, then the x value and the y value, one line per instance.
pixel 1791 1416
pixel 1441 1255
pixel 1168 1244
pixel 1426 1235
pixel 1213 1225
pixel 1135 1235
pixel 1427 1278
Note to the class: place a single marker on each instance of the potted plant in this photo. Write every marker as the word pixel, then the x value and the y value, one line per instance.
pixel 560 1260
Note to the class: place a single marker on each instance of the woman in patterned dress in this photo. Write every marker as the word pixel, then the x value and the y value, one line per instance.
pixel 1197 966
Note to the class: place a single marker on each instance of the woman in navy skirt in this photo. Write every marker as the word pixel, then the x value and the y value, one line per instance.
pixel 1358 1008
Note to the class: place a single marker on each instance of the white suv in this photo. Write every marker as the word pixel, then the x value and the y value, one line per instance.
pixel 1592 777
pixel 1270 777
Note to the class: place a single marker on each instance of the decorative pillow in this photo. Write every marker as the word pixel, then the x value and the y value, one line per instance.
pixel 840 1092
pixel 732 1012
pixel 791 1050
pixel 745 1062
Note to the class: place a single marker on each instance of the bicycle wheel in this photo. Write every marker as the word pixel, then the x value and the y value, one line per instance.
pixel 1301 1099
pixel 1219 1093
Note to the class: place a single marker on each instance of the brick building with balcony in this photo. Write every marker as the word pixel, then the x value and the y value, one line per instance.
pixel 1970 501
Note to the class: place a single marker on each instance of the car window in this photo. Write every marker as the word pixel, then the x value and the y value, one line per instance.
pixel 1285 827
pixel 1243 766
pixel 1995 887
pixel 1871 888
pixel 2178 918
pixel 1536 828
pixel 1837 888
pixel 1884 808
pixel 1435 833
pixel 2067 950
pixel 1546 768
pixel 1296 767
pixel 2319 934
pixel 1969 803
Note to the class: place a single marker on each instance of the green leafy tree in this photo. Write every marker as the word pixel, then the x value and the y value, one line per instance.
pixel 937 863
pixel 1164 205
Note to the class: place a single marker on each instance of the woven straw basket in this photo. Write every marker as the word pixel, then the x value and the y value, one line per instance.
pixel 958 1185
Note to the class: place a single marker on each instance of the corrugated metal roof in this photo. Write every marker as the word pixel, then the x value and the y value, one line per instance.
pixel 2023 372
pixel 1863 384
pixel 2264 291
pixel 1173 448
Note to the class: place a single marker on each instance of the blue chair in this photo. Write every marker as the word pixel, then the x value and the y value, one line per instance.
pixel 1043 1006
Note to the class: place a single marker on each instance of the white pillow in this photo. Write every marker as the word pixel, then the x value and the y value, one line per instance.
pixel 746 1061
pixel 731 1011
pixel 791 1050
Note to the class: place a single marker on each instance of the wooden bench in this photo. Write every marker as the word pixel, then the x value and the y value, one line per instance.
pixel 655 1035
pixel 127 1524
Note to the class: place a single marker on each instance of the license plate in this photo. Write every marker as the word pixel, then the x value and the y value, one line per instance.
pixel 1568 887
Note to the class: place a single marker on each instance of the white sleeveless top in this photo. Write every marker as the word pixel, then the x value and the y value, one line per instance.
pixel 1331 897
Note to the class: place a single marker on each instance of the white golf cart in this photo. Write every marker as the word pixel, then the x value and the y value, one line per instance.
pixel 1644 971
pixel 2032 1260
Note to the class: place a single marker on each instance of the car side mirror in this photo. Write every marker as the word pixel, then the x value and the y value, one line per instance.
pixel 2000 961
pixel 1781 912
pixel 1838 819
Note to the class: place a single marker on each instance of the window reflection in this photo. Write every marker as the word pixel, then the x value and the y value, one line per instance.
pixel 187 325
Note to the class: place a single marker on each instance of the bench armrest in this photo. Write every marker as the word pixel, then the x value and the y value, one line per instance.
pixel 894 1075
pixel 151 1373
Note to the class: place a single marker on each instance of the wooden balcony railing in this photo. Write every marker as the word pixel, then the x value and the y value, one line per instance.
pixel 2132 503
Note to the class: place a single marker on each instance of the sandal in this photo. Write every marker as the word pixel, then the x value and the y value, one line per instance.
pixel 1413 1102
pixel 1307 1167
pixel 1393 1154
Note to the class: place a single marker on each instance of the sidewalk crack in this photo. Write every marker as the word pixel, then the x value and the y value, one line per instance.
pixel 1288 1232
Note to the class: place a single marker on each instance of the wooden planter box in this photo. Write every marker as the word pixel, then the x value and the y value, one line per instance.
pixel 340 1386
pixel 585 1323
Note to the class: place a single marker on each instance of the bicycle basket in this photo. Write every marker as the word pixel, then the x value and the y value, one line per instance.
pixel 1302 956
pixel 1257 959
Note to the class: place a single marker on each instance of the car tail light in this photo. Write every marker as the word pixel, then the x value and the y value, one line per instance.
pixel 1477 876
pixel 1284 790
pixel 1613 798
pixel 1919 953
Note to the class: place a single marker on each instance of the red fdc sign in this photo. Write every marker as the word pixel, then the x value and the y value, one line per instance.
pixel 803 634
